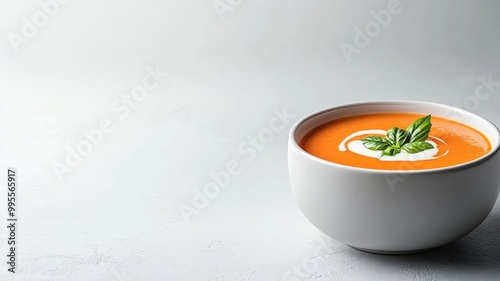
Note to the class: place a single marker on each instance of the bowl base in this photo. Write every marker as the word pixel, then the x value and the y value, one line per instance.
pixel 393 253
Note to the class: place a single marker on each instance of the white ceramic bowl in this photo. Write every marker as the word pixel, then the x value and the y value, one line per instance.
pixel 390 211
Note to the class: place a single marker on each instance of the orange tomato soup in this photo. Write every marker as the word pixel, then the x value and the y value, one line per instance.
pixel 458 143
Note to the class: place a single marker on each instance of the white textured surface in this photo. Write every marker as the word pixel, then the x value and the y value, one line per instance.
pixel 117 215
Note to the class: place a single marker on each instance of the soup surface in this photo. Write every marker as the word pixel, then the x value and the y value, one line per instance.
pixel 339 141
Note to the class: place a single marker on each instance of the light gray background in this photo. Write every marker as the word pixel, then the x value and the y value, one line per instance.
pixel 117 216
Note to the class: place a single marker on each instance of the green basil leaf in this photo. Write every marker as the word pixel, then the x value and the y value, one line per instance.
pixel 391 151
pixel 375 143
pixel 397 136
pixel 411 140
pixel 415 147
pixel 419 130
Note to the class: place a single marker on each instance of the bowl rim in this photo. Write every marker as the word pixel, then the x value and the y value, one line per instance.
pixel 495 148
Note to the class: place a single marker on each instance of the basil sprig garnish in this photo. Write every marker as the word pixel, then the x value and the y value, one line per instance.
pixel 411 140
